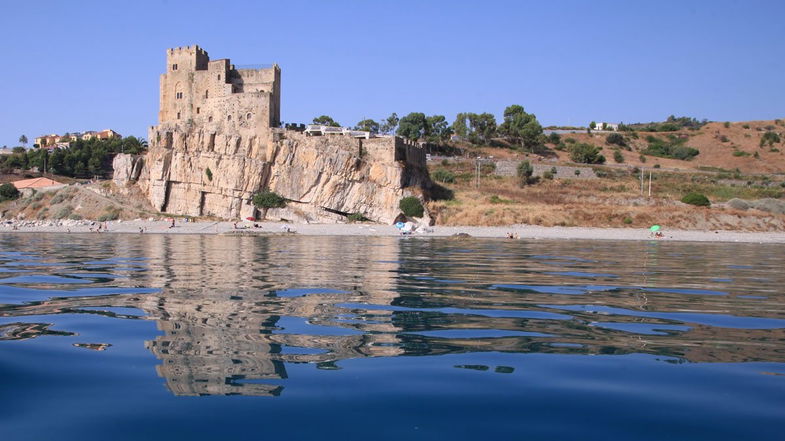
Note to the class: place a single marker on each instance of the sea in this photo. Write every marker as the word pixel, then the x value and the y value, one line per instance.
pixel 206 337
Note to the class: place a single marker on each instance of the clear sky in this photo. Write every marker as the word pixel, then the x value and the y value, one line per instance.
pixel 82 65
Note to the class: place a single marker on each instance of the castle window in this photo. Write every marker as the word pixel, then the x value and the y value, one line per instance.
pixel 219 77
pixel 210 119
pixel 206 94
pixel 174 67
pixel 197 110
pixel 228 117
pixel 248 116
pixel 178 95
pixel 178 115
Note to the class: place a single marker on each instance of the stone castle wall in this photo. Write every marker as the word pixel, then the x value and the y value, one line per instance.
pixel 217 144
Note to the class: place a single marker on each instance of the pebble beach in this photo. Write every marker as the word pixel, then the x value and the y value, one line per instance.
pixel 520 232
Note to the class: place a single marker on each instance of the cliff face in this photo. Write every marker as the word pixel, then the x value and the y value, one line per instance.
pixel 199 172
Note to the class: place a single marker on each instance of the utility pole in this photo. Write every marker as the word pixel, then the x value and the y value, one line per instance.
pixel 650 183
pixel 641 181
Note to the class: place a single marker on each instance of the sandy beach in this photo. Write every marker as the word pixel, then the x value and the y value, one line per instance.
pixel 272 228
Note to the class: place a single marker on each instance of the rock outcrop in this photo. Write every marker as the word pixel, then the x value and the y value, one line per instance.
pixel 195 171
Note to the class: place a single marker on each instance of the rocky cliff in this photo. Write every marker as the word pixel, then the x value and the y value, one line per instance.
pixel 198 172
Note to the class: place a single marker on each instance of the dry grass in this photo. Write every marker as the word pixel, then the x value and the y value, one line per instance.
pixel 615 202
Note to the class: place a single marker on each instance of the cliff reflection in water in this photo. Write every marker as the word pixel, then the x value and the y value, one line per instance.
pixel 235 311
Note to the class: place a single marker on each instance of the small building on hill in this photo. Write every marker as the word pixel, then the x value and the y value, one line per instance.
pixel 38 184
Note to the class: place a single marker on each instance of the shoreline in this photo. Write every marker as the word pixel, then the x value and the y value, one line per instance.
pixel 524 232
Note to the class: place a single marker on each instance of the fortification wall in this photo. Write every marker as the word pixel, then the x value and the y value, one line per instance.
pixel 216 146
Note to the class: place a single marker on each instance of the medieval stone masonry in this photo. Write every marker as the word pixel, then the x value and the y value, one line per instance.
pixel 218 142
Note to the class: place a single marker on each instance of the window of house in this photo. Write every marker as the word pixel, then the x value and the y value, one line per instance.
pixel 174 67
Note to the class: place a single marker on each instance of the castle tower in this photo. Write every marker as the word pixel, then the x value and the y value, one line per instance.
pixel 213 94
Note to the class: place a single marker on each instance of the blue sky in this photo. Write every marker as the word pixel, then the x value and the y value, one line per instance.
pixel 81 65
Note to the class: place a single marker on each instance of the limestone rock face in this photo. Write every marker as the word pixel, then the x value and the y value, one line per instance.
pixel 199 172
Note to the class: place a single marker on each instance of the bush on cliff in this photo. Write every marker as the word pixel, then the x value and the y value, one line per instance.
pixel 411 207
pixel 8 192
pixel 268 199
pixel 696 199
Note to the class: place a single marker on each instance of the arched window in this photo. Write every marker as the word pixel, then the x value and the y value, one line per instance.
pixel 228 117
pixel 178 91
pixel 210 119
pixel 248 116
pixel 206 94
pixel 178 115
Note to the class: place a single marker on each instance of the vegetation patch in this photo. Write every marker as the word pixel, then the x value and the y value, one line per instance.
pixel 268 199
pixel 696 199
pixel 411 206
pixel 8 192
pixel 673 147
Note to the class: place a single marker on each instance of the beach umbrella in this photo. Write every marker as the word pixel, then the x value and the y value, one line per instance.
pixel 654 228
pixel 250 218
pixel 399 225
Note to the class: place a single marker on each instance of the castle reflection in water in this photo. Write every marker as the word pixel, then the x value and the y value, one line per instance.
pixel 235 311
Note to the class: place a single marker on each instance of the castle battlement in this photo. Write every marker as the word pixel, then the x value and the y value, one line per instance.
pixel 199 91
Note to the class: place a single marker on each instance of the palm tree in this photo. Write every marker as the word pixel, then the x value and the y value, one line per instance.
pixel 23 140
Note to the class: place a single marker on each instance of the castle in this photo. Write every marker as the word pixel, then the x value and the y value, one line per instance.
pixel 212 93
pixel 218 142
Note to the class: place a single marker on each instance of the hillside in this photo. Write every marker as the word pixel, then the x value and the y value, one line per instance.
pixel 736 146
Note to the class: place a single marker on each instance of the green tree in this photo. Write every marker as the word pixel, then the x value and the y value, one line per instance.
pixel 521 127
pixel 411 206
pixel 615 138
pixel 266 200
pixel 23 140
pixel 413 126
pixel 618 157
pixel 8 192
pixel 390 124
pixel 325 120
pixel 525 172
pixel 482 128
pixel 461 125
pixel 437 129
pixel 368 125
pixel 592 125
pixel 585 154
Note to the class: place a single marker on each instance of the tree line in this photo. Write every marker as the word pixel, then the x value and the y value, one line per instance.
pixel 81 159
pixel 517 128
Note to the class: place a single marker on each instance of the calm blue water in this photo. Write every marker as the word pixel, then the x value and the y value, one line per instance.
pixel 130 337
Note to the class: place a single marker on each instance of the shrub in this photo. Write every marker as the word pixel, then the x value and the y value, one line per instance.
pixel 724 138
pixel 627 220
pixel 577 172
pixel 64 212
pixel 615 138
pixel 75 217
pixel 671 148
pixel 739 153
pixel 209 174
pixel 569 140
pixel 586 154
pixel 554 138
pixel 746 126
pixel 444 176
pixel 411 206
pixel 770 138
pixel 726 125
pixel 642 158
pixel 696 199
pixel 8 192
pixel 656 165
pixel 525 172
pixel 547 175
pixel 445 162
pixel 356 217
pixel 618 157
pixel 60 197
pixel 268 199
pixel 497 200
